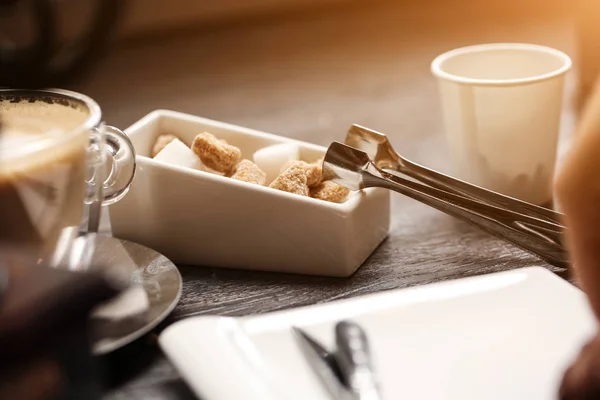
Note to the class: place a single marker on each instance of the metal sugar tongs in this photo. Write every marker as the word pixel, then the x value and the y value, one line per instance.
pixel 346 372
pixel 369 160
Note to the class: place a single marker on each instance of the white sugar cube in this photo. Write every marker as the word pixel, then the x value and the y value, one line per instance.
pixel 270 159
pixel 177 153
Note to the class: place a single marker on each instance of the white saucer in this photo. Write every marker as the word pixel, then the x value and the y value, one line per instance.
pixel 502 336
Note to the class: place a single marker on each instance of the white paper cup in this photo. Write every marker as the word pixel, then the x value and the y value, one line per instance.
pixel 502 105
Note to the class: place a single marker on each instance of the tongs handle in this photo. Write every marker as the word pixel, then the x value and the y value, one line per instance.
pixel 538 236
pixel 465 189
pixel 377 147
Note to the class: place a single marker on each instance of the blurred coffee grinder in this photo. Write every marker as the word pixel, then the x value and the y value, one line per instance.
pixel 45 350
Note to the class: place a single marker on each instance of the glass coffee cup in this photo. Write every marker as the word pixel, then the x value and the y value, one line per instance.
pixel 59 163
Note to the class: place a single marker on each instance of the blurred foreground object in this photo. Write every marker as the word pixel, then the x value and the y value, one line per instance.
pixel 578 193
pixel 582 379
pixel 44 330
pixel 588 34
pixel 40 47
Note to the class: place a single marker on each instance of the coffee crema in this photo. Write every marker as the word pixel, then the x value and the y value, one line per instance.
pixel 42 169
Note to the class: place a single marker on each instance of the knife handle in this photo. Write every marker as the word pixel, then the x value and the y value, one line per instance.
pixel 353 356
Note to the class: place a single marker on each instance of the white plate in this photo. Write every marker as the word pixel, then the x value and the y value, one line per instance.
pixel 503 336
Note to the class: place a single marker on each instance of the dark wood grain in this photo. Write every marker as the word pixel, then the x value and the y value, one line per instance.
pixel 310 79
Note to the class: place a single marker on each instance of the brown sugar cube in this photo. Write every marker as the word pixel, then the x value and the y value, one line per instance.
pixel 288 164
pixel 292 180
pixel 247 171
pixel 161 142
pixel 216 154
pixel 314 171
pixel 329 191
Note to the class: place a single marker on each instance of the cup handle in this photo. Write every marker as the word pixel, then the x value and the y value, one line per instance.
pixel 111 169
pixel 121 165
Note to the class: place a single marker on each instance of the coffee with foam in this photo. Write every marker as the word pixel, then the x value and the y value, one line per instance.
pixel 43 142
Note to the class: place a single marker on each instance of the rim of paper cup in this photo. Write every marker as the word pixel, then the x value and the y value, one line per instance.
pixel 436 64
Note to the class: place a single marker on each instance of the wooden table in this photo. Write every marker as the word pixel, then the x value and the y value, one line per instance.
pixel 310 78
